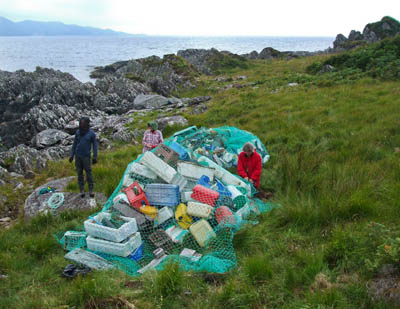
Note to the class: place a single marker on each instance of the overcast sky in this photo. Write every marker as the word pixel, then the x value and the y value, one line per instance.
pixel 208 17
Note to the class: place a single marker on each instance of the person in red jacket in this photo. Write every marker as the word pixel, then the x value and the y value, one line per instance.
pixel 249 164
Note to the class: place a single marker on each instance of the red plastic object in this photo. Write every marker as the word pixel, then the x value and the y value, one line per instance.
pixel 136 198
pixel 223 213
pixel 204 195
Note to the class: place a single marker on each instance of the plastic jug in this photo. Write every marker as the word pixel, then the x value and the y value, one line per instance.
pixel 202 232
pixel 182 217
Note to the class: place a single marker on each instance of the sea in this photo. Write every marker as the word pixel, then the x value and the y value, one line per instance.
pixel 79 55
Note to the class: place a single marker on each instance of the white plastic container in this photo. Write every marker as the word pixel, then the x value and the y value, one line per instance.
pixel 224 175
pixel 244 212
pixel 115 248
pixel 200 210
pixel 192 170
pixel 117 235
pixel 202 232
pixel 141 170
pixel 186 196
pixel 176 233
pixel 158 166
pixel 127 181
pixel 163 215
pixel 180 181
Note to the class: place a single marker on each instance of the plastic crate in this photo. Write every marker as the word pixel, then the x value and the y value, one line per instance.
pixel 74 240
pixel 166 154
pixel 180 181
pixel 140 169
pixel 136 196
pixel 158 166
pixel 192 170
pixel 161 239
pixel 183 154
pixel 121 249
pixel 100 231
pixel 162 194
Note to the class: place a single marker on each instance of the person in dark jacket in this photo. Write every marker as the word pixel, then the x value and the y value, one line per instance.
pixel 84 140
pixel 249 164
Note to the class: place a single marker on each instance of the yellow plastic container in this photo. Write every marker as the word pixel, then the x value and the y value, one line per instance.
pixel 149 210
pixel 182 218
pixel 202 231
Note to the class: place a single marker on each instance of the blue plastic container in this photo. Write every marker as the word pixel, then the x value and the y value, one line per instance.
pixel 204 181
pixel 183 154
pixel 137 254
pixel 158 194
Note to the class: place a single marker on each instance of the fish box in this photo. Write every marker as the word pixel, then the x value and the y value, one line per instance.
pixel 158 166
pixel 192 170
pixel 162 194
pixel 115 248
pixel 94 229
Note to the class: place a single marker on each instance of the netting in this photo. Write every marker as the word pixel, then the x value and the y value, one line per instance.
pixel 176 202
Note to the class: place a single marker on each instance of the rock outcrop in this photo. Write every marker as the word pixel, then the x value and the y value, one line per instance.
pixel 38 203
pixel 161 75
pixel 271 53
pixel 373 32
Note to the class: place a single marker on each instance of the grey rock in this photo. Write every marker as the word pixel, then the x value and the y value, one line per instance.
pixel 199 109
pixel 29 175
pixel 369 35
pixel 170 121
pixel 19 186
pixel 269 53
pixel 327 68
pixel 355 36
pixel 49 137
pixel 197 100
pixel 36 203
pixel 16 175
pixel 150 101
pixel 339 41
pixel 292 84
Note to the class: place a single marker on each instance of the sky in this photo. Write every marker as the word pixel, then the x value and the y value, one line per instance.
pixel 208 17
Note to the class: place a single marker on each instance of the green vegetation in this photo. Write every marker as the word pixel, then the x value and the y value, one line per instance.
pixel 379 60
pixel 334 171
pixel 381 28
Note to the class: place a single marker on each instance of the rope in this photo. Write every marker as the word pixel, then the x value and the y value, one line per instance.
pixel 56 200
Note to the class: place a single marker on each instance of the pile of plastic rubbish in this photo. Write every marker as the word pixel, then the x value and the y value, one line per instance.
pixel 176 202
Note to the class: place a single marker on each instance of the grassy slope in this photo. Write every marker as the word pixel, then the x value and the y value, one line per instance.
pixel 335 174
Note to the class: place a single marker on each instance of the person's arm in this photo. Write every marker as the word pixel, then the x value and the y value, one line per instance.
pixel 146 141
pixel 240 167
pixel 160 138
pixel 256 174
pixel 73 149
pixel 94 143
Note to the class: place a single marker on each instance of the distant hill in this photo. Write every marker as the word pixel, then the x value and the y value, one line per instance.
pixel 31 28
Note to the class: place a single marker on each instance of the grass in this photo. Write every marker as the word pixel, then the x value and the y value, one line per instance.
pixel 335 175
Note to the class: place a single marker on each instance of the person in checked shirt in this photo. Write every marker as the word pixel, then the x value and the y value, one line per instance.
pixel 152 137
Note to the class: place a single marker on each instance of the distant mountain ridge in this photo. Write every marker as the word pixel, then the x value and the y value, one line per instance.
pixel 32 28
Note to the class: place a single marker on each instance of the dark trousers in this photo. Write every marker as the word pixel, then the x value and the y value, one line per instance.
pixel 81 164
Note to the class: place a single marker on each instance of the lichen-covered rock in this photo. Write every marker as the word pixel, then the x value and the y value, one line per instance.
pixel 49 137
pixel 171 120
pixel 150 101
pixel 37 203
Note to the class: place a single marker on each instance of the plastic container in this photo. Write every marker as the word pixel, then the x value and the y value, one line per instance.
pixel 186 196
pixel 74 240
pixel 176 233
pixel 180 181
pixel 158 166
pixel 192 170
pixel 204 195
pixel 117 235
pixel 162 194
pixel 121 204
pixel 166 154
pixel 161 239
pixel 163 215
pixel 149 210
pixel 223 174
pixel 202 232
pixel 183 154
pixel 244 212
pixel 121 249
pixel 200 210
pixel 140 169
pixel 137 254
pixel 238 199
pixel 127 181
pixel 182 217
pixel 136 196
pixel 224 214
